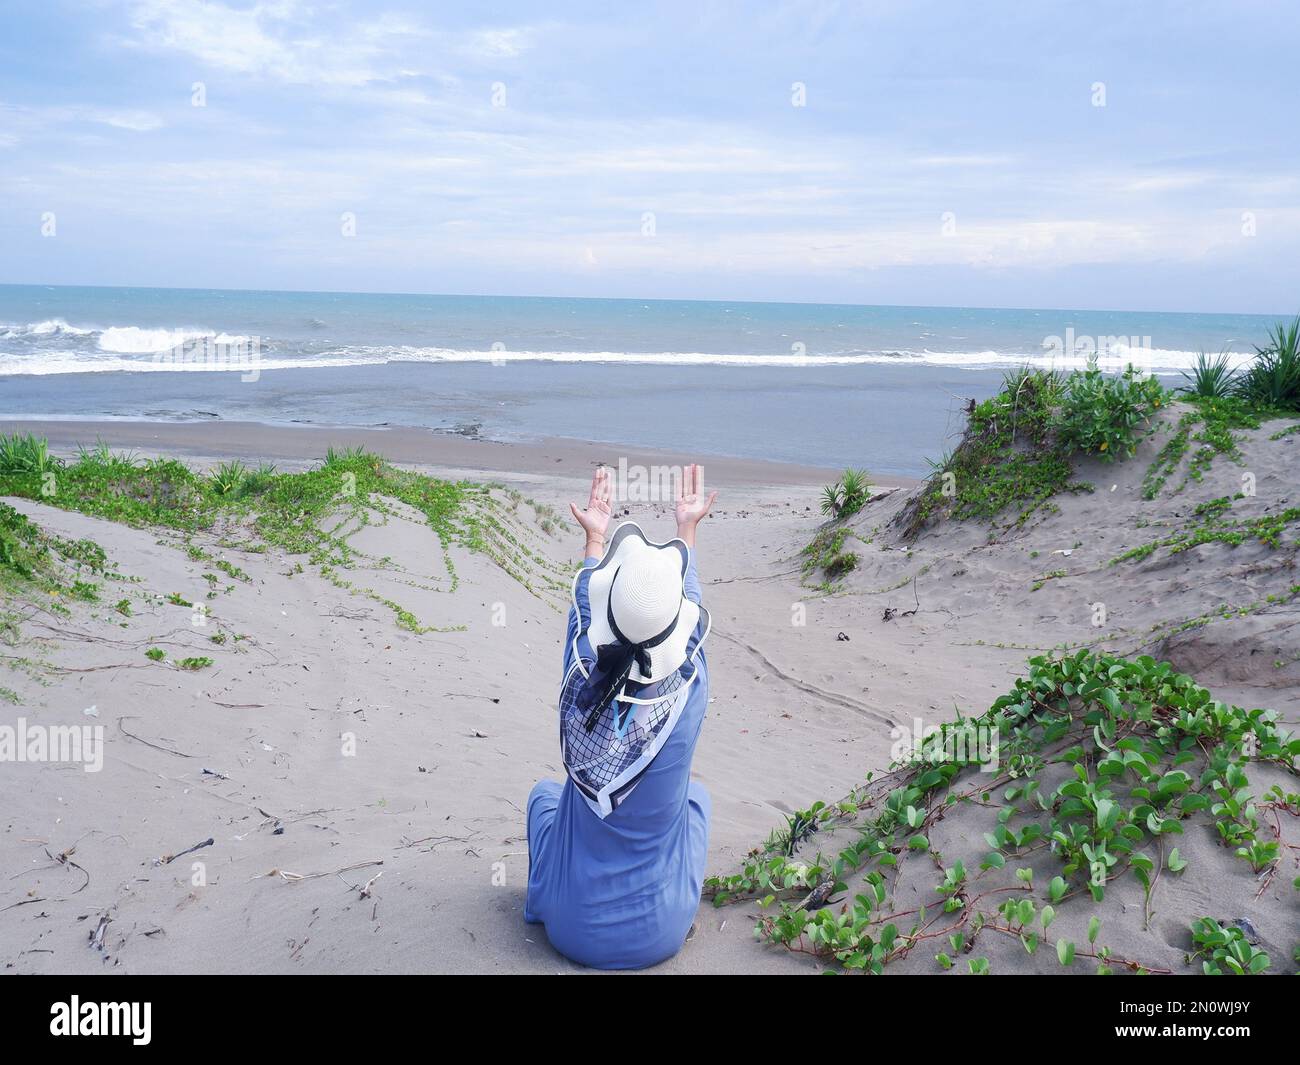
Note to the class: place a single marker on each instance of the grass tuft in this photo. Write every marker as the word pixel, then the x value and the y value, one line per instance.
pixel 1273 380
pixel 1212 377
pixel 846 496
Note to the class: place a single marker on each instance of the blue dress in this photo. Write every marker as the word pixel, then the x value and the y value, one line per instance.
pixel 621 893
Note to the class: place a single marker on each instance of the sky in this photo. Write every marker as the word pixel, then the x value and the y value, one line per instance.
pixel 1135 156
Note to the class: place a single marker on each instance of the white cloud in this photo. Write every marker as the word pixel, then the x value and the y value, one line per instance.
pixel 294 42
pixel 964 160
pixel 220 36
pixel 281 39
pixel 1167 182
pixel 499 44
pixel 25 123
pixel 138 121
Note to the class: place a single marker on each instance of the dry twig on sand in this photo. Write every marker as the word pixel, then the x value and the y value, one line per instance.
pixel 147 743
pixel 293 878
pixel 167 859
pixel 64 858
pixel 435 841
pixel 96 669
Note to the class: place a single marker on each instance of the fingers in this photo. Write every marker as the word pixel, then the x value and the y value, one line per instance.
pixel 577 514
pixel 691 482
pixel 709 505
pixel 606 485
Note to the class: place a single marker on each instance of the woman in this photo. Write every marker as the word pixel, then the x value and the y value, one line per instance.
pixel 616 854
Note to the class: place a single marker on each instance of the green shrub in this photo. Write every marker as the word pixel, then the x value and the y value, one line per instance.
pixel 1010 455
pixel 258 480
pixel 1106 416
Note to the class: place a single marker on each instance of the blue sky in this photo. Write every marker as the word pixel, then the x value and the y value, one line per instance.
pixel 654 150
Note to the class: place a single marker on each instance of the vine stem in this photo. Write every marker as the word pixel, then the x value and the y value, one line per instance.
pixel 1135 966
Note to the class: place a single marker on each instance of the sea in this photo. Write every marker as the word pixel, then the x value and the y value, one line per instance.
pixel 880 388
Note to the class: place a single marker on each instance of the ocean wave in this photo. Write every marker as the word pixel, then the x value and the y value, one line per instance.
pixel 118 339
pixel 133 340
pixel 172 351
pixel 1146 358
pixel 49 328
pixel 53 346
pixel 1154 359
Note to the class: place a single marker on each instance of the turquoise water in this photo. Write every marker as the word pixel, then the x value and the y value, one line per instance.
pixel 874 386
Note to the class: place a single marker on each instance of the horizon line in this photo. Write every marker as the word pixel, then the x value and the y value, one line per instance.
pixel 644 299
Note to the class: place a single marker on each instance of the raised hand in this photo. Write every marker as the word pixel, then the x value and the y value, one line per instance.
pixel 595 519
pixel 692 503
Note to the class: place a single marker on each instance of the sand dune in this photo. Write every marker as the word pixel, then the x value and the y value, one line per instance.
pixel 362 784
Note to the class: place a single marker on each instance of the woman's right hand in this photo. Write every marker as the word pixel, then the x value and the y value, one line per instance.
pixel 595 519
pixel 692 504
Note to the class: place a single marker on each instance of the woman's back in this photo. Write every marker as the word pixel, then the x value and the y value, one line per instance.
pixel 622 892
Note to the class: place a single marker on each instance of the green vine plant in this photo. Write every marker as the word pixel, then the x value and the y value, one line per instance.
pixel 1217 418
pixel 1225 950
pixel 1100 761
pixel 312 513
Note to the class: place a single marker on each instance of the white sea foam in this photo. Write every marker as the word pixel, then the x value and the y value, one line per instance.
pixel 119 360
pixel 1147 358
pixel 136 349
pixel 133 340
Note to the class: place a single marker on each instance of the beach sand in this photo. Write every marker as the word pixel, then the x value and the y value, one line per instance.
pixel 452 728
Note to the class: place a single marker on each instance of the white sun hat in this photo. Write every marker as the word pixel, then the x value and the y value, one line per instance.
pixel 636 598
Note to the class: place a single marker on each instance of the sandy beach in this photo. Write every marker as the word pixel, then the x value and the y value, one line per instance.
pixel 446 453
pixel 452 731
pixel 337 793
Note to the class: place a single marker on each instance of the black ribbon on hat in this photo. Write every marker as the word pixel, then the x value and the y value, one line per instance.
pixel 614 662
